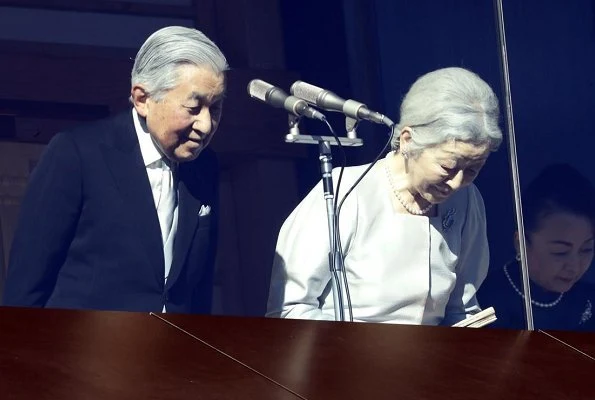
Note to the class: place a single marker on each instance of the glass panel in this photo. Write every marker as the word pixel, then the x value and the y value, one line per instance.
pixel 408 40
pixel 418 37
pixel 551 49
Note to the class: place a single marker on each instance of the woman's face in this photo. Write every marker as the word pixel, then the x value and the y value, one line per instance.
pixel 436 173
pixel 560 251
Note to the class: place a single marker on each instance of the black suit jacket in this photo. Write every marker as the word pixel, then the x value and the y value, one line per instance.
pixel 88 235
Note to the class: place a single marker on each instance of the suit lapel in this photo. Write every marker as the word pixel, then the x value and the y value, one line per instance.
pixel 188 215
pixel 124 159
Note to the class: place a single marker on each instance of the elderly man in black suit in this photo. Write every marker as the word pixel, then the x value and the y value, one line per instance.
pixel 121 214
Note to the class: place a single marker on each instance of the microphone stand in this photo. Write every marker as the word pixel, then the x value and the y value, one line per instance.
pixel 335 259
pixel 336 265
pixel 294 135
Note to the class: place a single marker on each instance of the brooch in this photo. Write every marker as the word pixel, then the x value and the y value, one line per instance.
pixel 448 219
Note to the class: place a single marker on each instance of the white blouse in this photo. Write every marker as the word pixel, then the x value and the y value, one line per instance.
pixel 400 268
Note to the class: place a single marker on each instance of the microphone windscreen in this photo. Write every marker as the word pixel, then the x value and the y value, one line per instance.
pixel 259 89
pixel 306 91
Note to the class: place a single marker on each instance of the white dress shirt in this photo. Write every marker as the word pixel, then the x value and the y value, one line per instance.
pixel 400 268
pixel 163 186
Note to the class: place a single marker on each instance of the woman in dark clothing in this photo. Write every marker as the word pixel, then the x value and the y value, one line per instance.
pixel 559 220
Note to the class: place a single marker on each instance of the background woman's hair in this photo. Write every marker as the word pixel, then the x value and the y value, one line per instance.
pixel 557 188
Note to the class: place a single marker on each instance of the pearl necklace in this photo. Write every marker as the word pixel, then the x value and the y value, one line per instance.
pixel 536 303
pixel 408 207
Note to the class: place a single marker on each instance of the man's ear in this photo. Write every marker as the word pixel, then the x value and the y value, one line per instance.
pixel 140 99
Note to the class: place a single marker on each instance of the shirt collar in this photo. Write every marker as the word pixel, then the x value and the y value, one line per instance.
pixel 148 149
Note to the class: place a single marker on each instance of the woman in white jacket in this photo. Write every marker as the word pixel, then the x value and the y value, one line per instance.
pixel 413 232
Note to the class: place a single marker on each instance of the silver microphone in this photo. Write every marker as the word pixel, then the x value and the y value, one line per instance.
pixel 329 101
pixel 276 97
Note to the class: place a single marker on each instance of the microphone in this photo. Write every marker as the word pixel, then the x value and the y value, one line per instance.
pixel 276 97
pixel 329 101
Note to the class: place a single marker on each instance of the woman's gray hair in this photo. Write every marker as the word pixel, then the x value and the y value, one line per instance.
pixel 157 61
pixel 449 104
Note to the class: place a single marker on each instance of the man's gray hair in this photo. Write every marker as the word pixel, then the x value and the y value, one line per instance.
pixel 156 63
pixel 449 104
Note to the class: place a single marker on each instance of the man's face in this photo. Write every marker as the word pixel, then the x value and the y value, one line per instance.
pixel 183 122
